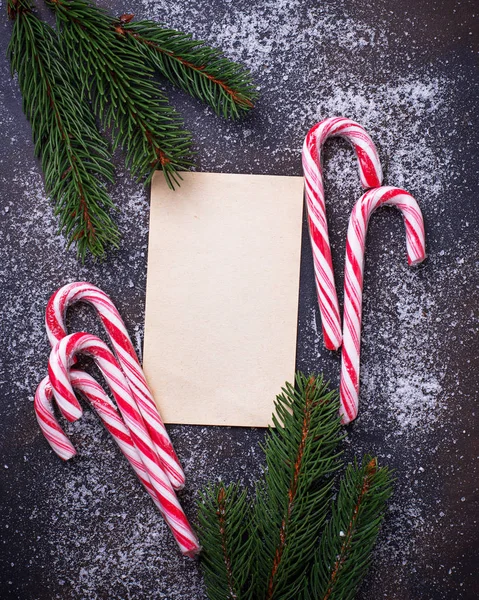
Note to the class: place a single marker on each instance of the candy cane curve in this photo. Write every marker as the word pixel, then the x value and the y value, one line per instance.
pixel 61 359
pixel 127 358
pixel 108 413
pixel 371 176
pixel 49 425
pixel 353 280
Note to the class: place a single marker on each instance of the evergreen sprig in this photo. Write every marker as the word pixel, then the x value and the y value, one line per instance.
pixel 280 545
pixel 124 95
pixel 92 57
pixel 199 70
pixel 75 158
pixel 292 501
pixel 348 540
pixel 225 527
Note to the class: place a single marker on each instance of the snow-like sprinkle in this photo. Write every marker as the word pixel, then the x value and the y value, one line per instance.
pixel 405 103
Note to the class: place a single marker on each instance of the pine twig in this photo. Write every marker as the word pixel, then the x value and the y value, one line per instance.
pixel 224 524
pixel 74 156
pixel 199 70
pixel 124 95
pixel 278 556
pixel 292 501
pixel 350 535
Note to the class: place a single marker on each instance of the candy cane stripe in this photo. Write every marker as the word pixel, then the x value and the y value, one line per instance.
pixel 61 358
pixel 108 413
pixel 127 358
pixel 353 279
pixel 371 176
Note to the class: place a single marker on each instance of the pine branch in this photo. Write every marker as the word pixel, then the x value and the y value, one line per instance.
pixel 224 524
pixel 202 72
pixel 292 502
pixel 124 95
pixel 350 535
pixel 74 156
pixel 278 556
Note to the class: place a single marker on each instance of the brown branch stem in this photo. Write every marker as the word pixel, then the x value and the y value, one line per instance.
pixel 292 489
pixel 221 513
pixel 371 470
pixel 197 68
pixel 72 159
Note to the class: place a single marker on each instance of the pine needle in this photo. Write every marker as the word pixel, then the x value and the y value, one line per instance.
pixel 199 70
pixel 224 525
pixel 124 95
pixel 350 535
pixel 75 158
pixel 280 546
pixel 93 61
pixel 293 500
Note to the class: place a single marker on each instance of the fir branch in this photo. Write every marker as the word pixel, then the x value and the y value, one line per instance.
pixel 292 501
pixel 124 95
pixel 74 156
pixel 199 70
pixel 224 525
pixel 277 556
pixel 350 535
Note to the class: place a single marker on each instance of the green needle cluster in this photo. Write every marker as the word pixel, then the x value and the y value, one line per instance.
pixel 225 525
pixel 200 71
pixel 293 539
pixel 93 65
pixel 114 76
pixel 75 158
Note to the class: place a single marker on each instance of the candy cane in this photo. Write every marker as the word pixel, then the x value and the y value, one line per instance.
pixel 353 279
pixel 371 176
pixel 61 359
pixel 52 431
pixel 127 358
pixel 107 411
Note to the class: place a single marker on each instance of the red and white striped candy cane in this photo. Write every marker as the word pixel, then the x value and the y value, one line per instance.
pixel 371 176
pixel 107 411
pixel 49 425
pixel 353 279
pixel 127 358
pixel 61 359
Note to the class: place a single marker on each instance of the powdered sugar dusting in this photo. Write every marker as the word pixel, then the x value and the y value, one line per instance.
pixel 92 531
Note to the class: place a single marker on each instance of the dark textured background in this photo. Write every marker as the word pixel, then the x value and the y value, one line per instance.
pixel 408 72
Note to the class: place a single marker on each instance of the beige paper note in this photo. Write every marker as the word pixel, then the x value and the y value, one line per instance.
pixel 222 296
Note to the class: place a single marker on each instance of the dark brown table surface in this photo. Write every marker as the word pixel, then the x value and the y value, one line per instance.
pixel 408 72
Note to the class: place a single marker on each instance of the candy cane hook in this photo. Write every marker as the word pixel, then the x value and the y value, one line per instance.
pixel 61 359
pixel 353 279
pixel 127 358
pixel 371 176
pixel 49 425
